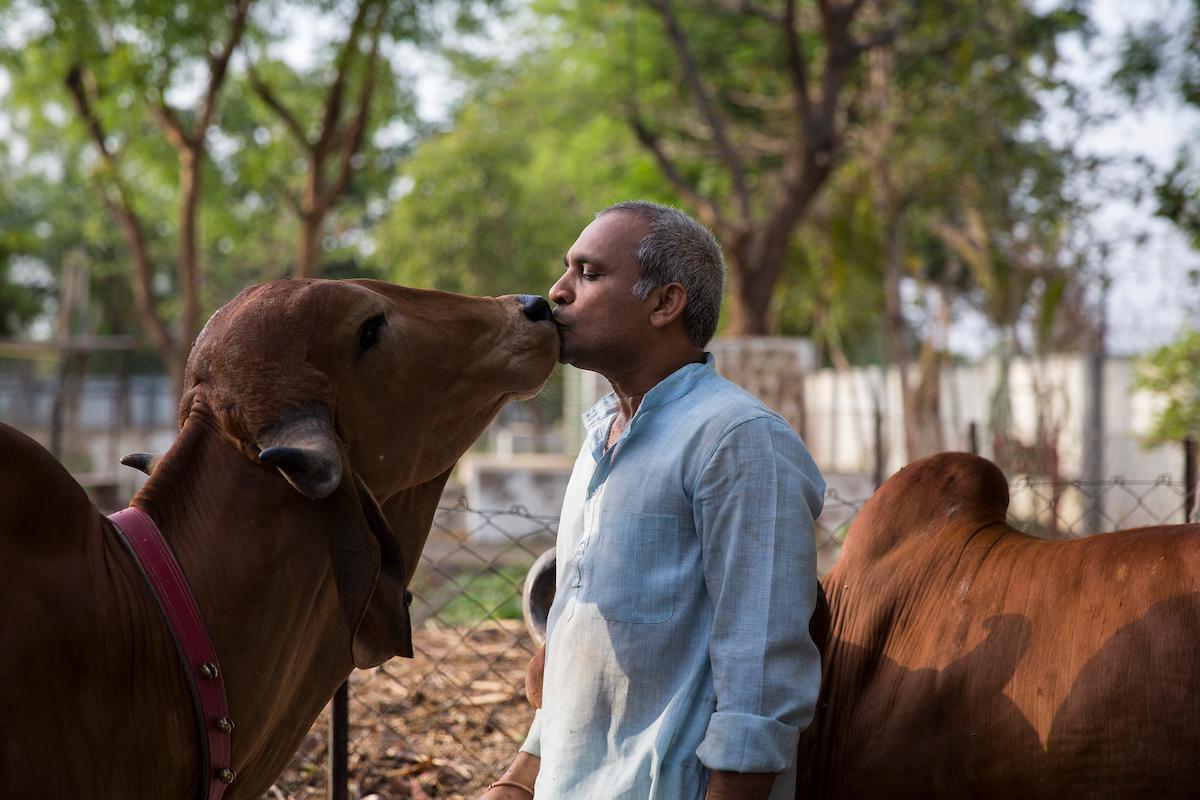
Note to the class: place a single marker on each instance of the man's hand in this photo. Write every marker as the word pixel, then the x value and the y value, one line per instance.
pixel 534 675
pixel 740 785
pixel 524 770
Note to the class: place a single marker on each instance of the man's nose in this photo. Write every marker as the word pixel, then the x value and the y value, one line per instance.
pixel 536 308
pixel 558 292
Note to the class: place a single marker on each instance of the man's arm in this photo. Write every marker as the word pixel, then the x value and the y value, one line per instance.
pixel 755 502
pixel 524 771
pixel 518 780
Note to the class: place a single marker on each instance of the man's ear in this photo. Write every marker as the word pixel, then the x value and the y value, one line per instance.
pixel 667 304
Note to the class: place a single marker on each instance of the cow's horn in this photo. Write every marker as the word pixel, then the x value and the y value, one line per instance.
pixel 141 461
pixel 307 452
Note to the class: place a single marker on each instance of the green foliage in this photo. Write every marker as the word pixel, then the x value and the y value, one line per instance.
pixel 495 201
pixel 495 594
pixel 992 207
pixel 832 289
pixel 1173 372
pixel 1161 58
pixel 138 55
pixel 541 141
pixel 946 163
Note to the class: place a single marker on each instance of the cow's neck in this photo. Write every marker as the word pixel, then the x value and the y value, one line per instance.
pixel 263 581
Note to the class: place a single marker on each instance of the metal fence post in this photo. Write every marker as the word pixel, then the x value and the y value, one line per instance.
pixel 339 751
pixel 1189 478
pixel 973 438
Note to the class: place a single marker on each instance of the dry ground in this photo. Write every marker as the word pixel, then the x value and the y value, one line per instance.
pixel 442 725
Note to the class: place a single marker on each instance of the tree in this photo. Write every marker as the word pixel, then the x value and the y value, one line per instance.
pixel 19 302
pixel 327 116
pixel 948 196
pixel 1160 60
pixel 187 107
pixel 121 65
pixel 494 202
pixel 761 97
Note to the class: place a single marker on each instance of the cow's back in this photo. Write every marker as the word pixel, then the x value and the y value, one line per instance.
pixel 80 638
pixel 39 500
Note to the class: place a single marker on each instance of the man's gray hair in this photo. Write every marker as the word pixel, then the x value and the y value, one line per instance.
pixel 678 249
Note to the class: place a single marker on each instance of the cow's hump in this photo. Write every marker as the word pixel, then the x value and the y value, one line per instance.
pixel 944 493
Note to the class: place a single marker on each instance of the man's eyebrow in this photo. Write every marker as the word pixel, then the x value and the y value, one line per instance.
pixel 583 259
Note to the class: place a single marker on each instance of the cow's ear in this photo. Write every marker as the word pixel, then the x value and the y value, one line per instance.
pixel 358 543
pixel 306 450
pixel 383 628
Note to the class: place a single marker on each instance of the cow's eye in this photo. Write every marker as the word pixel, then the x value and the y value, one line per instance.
pixel 368 333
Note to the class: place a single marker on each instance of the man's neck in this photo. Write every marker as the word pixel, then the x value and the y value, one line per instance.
pixel 632 385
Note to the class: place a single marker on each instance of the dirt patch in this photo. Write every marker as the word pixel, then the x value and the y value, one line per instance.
pixel 444 724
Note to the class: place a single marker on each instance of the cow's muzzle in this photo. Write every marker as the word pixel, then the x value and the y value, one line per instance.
pixel 535 308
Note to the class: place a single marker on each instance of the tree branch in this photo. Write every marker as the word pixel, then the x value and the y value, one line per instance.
pixel 358 126
pixel 747 8
pixel 729 154
pixel 171 127
pixel 272 102
pixel 82 96
pixel 705 207
pixel 797 66
pixel 121 208
pixel 217 66
pixel 881 38
pixel 839 55
pixel 330 121
pixel 852 8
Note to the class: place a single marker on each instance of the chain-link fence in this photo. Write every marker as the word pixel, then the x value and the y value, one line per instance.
pixel 446 723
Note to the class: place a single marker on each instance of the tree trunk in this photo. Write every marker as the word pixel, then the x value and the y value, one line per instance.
pixel 310 236
pixel 757 253
pixel 750 309
pixel 190 148
pixel 757 247
pixel 189 267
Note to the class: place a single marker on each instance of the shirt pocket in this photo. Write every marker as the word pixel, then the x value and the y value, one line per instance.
pixel 635 567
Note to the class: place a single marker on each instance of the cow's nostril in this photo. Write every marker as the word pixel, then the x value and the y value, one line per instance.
pixel 535 308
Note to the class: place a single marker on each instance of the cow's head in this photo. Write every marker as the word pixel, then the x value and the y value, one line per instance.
pixel 363 395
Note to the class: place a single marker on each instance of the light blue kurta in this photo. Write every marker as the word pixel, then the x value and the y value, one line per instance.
pixel 686 569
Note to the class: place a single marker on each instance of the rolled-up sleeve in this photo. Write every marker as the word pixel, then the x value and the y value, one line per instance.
pixel 755 502
pixel 533 740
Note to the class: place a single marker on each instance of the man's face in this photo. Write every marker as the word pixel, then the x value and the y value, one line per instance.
pixel 601 323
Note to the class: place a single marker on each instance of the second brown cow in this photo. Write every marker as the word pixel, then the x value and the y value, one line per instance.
pixel 964 659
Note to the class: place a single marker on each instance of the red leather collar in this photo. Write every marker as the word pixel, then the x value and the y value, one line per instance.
pixel 157 563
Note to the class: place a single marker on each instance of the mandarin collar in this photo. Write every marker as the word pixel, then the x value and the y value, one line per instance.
pixel 670 388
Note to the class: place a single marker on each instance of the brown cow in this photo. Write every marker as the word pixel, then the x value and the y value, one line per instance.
pixel 362 395
pixel 968 660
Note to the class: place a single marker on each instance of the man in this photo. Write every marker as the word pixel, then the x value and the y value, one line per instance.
pixel 678 661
